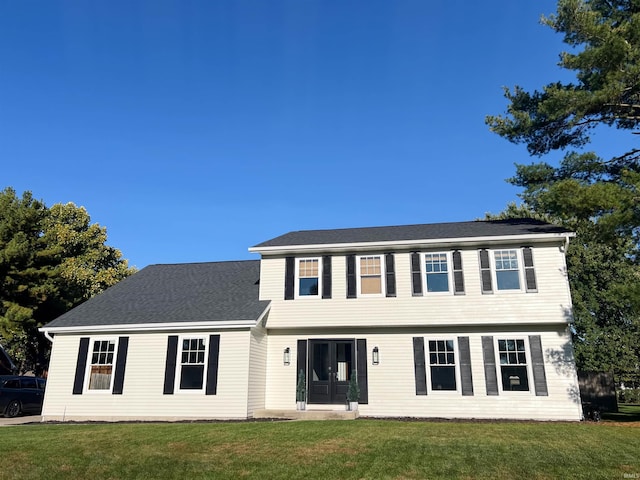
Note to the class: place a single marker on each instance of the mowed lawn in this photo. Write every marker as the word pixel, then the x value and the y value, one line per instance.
pixel 357 449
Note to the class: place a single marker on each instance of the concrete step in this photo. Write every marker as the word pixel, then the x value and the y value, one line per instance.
pixel 307 414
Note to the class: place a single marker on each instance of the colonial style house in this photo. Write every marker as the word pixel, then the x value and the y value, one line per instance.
pixel 452 320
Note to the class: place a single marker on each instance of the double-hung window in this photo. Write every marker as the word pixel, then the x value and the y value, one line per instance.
pixel 101 366
pixel 308 277
pixel 192 363
pixel 370 275
pixel 507 269
pixel 513 364
pixel 443 365
pixel 437 272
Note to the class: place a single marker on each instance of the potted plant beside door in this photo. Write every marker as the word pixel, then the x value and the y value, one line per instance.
pixel 301 391
pixel 353 393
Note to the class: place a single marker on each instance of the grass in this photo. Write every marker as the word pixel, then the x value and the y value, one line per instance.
pixel 358 449
pixel 626 413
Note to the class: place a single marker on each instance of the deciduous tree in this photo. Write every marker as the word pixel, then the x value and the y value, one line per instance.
pixel 51 259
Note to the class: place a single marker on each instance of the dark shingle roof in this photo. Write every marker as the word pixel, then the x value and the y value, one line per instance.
pixel 192 292
pixel 480 228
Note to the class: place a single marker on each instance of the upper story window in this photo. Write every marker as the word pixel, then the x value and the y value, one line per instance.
pixel 437 272
pixel 308 277
pixel 370 275
pixel 507 269
pixel 513 364
pixel 101 367
pixel 192 363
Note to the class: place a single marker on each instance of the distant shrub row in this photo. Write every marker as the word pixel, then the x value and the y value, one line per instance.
pixel 629 395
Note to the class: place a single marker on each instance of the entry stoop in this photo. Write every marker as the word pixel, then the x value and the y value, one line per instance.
pixel 307 414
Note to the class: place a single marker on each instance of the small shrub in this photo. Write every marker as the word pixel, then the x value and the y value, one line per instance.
pixel 301 387
pixel 353 394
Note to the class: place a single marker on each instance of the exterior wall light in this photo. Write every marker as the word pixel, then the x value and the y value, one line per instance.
pixel 375 357
pixel 286 357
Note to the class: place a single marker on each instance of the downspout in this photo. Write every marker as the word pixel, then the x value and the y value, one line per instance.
pixel 47 335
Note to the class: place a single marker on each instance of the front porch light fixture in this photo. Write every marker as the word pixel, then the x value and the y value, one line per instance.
pixel 375 356
pixel 286 357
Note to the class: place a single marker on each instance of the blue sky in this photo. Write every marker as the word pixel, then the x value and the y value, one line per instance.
pixel 193 130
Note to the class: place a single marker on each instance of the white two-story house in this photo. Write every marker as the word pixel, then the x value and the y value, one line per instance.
pixel 451 320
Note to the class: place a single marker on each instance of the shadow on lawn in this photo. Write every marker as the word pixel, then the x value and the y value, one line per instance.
pixel 627 413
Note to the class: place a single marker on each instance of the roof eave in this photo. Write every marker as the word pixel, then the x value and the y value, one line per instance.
pixel 155 327
pixel 411 244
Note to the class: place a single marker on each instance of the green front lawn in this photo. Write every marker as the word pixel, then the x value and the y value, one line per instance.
pixel 331 449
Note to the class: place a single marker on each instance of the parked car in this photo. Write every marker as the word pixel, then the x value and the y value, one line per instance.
pixel 19 394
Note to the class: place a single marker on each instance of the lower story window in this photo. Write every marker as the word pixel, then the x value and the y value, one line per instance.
pixel 101 371
pixel 513 365
pixel 443 365
pixel 192 364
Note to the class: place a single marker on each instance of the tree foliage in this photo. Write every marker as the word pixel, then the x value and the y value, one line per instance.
pixel 51 259
pixel 596 197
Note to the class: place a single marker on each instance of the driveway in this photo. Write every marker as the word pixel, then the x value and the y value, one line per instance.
pixel 20 420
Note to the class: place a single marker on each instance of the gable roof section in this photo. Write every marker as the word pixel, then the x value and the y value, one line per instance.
pixel 407 233
pixel 179 293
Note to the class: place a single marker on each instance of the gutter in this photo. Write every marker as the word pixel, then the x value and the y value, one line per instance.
pixel 413 244
pixel 155 327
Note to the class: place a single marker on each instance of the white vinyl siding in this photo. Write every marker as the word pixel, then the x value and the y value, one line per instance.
pixel 391 384
pixel 257 370
pixel 550 305
pixel 142 397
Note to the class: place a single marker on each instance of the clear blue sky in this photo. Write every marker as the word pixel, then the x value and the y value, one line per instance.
pixel 193 130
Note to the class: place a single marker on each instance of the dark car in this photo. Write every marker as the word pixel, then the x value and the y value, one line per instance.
pixel 21 395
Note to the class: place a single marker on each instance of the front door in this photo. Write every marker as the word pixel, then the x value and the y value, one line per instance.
pixel 331 363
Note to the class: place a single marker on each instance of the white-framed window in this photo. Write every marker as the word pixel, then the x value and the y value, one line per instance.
pixel 370 275
pixel 100 369
pixel 308 272
pixel 442 364
pixel 512 357
pixel 437 272
pixel 192 360
pixel 507 269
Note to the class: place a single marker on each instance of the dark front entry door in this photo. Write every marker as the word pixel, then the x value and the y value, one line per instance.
pixel 331 363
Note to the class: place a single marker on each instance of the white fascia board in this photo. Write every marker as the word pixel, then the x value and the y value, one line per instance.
pixel 150 327
pixel 409 244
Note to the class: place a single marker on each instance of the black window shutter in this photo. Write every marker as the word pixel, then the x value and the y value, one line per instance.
pixel 351 276
pixel 420 366
pixel 537 366
pixel 458 277
pixel 361 356
pixel 326 276
pixel 466 378
pixel 490 375
pixel 416 275
pixel 390 269
pixel 81 366
pixel 121 363
pixel 529 270
pixel 289 277
pixel 485 271
pixel 212 365
pixel 170 365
